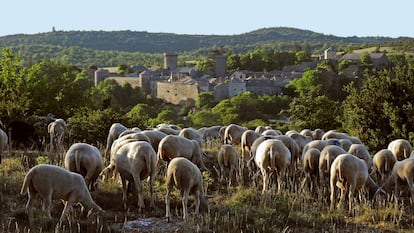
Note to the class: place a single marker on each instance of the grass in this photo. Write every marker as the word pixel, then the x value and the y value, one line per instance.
pixel 240 208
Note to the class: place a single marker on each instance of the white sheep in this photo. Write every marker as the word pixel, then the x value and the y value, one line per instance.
pixel 340 135
pixel 136 161
pixel 57 131
pixel 173 146
pixel 86 160
pixel 328 154
pixel 51 182
pixel 360 151
pixel 233 133
pixel 317 134
pixel 114 132
pixel 402 174
pixel 192 134
pixel 247 139
pixel 350 173
pixel 383 162
pixel 401 148
pixel 272 156
pixel 186 176
pixel 155 137
pixel 228 158
pixel 310 162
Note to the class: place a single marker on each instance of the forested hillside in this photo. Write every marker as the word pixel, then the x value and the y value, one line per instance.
pixel 110 48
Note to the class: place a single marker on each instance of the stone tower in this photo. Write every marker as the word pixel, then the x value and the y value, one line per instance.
pixel 170 60
pixel 220 65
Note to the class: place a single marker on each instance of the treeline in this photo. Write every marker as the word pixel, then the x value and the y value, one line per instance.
pixel 102 48
pixel 378 107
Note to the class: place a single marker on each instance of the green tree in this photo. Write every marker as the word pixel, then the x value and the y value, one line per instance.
pixel 233 62
pixel 382 110
pixel 205 118
pixel 227 112
pixel 139 116
pixel 167 116
pixel 205 100
pixel 366 58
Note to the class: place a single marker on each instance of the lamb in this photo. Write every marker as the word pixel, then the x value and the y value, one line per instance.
pixel 402 173
pixel 52 182
pixel 228 157
pixel 186 176
pixel 272 156
pixel 383 162
pixel 86 160
pixel 401 148
pixel 114 132
pixel 173 146
pixel 136 161
pixel 350 173
pixel 233 133
pixel 4 141
pixel 360 151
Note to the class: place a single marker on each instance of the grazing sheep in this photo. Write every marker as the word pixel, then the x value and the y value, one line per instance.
pixel 247 139
pixel 401 148
pixel 306 132
pixel 326 158
pixel 383 162
pixel 4 141
pixel 300 140
pixel 320 144
pixel 273 132
pixel 339 135
pixel 173 146
pixel 192 134
pixel 128 131
pixel 228 158
pixel 155 137
pixel 86 160
pixel 402 174
pixel 345 143
pixel 272 156
pixel 260 129
pixel 350 173
pixel 292 146
pixel 211 134
pixel 233 133
pixel 168 130
pixel 360 151
pixel 184 175
pixel 135 161
pixel 51 182
pixel 317 134
pixel 310 161
pixel 114 132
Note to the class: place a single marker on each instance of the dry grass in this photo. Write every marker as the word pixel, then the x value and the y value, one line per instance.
pixel 239 208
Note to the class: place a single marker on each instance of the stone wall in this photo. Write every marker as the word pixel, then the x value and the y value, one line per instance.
pixel 177 93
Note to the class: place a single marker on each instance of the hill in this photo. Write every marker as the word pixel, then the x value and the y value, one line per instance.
pixel 105 48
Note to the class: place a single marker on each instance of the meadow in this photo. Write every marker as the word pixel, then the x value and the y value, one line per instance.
pixel 237 208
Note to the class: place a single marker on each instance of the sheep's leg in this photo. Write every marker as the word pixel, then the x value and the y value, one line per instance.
pixel 184 202
pixel 29 208
pixel 167 204
pixel 68 206
pixel 151 184
pixel 411 188
pixel 139 190
pixel 265 181
pixel 46 202
pixel 279 179
pixel 124 191
pixel 333 188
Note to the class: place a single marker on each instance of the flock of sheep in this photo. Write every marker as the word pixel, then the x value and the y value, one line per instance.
pixel 327 159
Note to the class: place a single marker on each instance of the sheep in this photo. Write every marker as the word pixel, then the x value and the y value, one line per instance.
pixel 114 132
pixel 292 146
pixel 155 137
pixel 326 158
pixel 52 182
pixel 383 162
pixel 86 160
pixel 57 131
pixel 134 162
pixel 128 131
pixel 247 139
pixel 320 144
pixel 228 157
pixel 173 146
pixel 306 132
pixel 402 173
pixel 339 135
pixel 192 134
pixel 350 173
pixel 300 140
pixel 273 132
pixel 272 156
pixel 4 141
pixel 168 130
pixel 310 162
pixel 401 148
pixel 233 133
pixel 186 176
pixel 211 134
pixel 345 143
pixel 360 151
pixel 260 129
pixel 317 134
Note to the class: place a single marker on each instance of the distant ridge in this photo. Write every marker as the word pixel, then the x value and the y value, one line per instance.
pixel 147 42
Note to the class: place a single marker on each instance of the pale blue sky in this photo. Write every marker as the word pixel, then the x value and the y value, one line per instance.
pixel 224 17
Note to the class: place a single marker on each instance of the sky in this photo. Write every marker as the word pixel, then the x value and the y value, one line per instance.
pixel 212 17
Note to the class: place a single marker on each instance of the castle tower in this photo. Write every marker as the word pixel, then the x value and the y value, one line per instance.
pixel 220 65
pixel 170 60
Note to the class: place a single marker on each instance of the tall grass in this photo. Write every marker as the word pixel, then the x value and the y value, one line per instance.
pixel 238 208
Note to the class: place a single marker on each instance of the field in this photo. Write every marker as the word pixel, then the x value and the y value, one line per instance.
pixel 238 208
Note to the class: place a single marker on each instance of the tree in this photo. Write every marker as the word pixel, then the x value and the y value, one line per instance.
pixel 139 116
pixel 205 118
pixel 366 58
pixel 205 100
pixel 233 62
